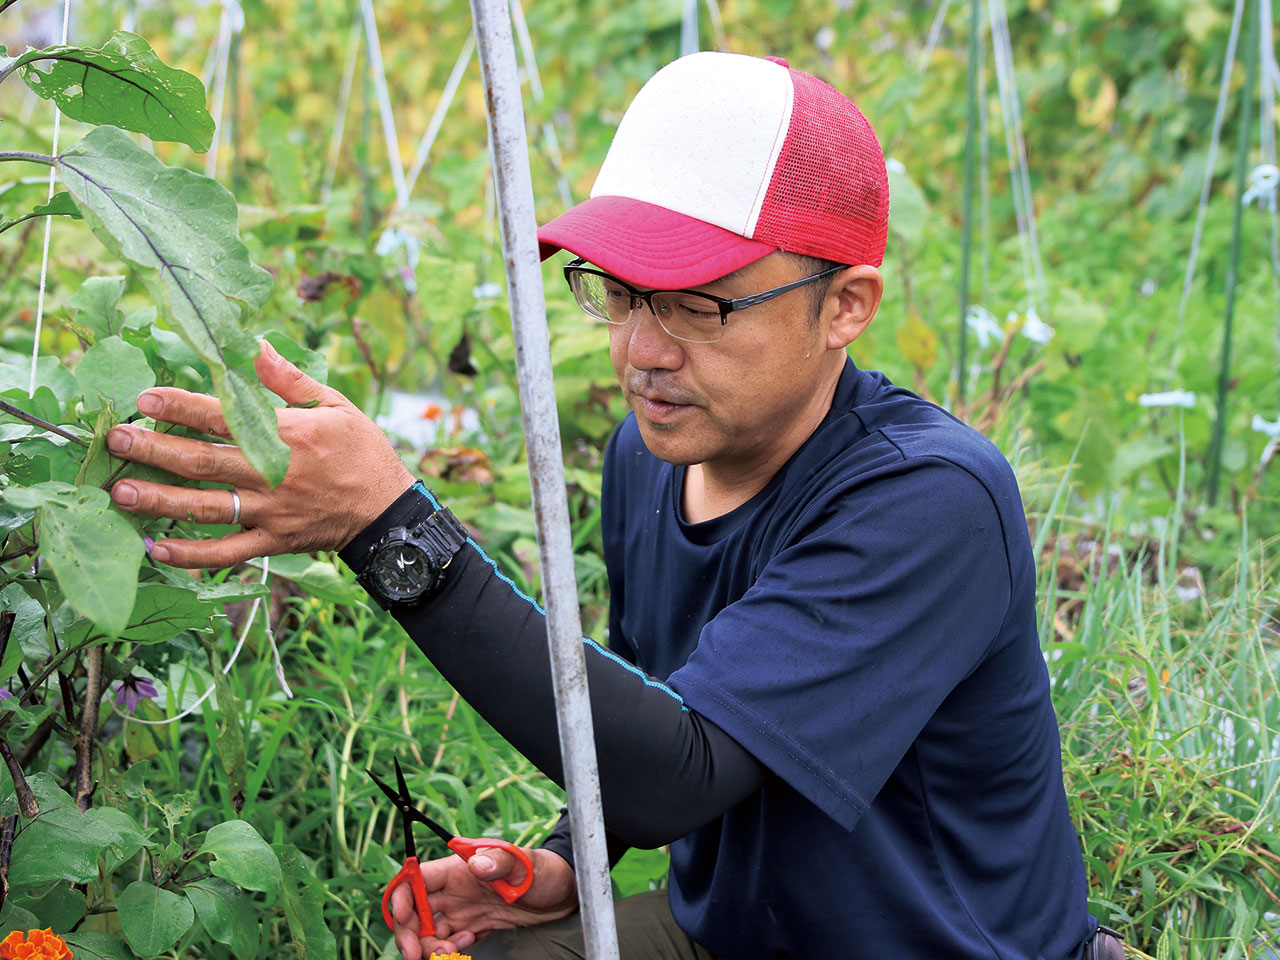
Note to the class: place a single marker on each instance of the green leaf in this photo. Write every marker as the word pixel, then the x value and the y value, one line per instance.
pixel 253 424
pixel 230 743
pixel 227 913
pixel 58 906
pixel 129 836
pixel 160 612
pixel 12 518
pixel 98 463
pixel 114 372
pixel 15 918
pixel 123 83
pixel 243 857
pixel 28 628
pixel 60 204
pixel 179 230
pixel 317 578
pixel 94 552
pixel 62 843
pixel 174 350
pixel 96 946
pixel 13 654
pixel 15 374
pixel 229 590
pixel 37 495
pixel 640 871
pixel 153 919
pixel 303 896
pixel 97 306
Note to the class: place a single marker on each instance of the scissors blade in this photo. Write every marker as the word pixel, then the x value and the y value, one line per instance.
pixel 439 831
pixel 408 813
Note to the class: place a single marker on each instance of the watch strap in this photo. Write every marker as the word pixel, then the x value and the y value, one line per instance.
pixel 442 534
pixel 439 536
pixel 408 510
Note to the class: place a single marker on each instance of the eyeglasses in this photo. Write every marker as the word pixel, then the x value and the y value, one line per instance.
pixel 685 314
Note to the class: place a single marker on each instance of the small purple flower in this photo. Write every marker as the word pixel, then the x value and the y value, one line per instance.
pixel 148 543
pixel 133 690
pixel 5 694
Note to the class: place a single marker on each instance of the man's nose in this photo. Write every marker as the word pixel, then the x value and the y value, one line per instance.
pixel 650 347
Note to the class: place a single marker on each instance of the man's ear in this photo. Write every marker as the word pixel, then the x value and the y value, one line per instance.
pixel 856 293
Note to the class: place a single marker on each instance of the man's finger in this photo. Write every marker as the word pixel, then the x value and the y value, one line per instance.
pixel 193 459
pixel 403 910
pixel 214 554
pixel 185 503
pixel 495 863
pixel 173 405
pixel 408 943
pixel 289 383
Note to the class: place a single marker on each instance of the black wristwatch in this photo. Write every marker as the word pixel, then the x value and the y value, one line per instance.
pixel 406 565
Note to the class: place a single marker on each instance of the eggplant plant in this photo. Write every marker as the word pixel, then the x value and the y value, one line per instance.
pixel 82 605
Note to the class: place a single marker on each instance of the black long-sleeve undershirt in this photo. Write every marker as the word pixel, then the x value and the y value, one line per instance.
pixel 664 769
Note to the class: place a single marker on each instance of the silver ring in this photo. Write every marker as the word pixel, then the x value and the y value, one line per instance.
pixel 235 506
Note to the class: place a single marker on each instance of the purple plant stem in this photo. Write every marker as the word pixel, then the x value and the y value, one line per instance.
pixel 26 799
pixel 88 728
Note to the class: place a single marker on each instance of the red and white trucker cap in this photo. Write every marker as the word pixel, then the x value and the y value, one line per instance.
pixel 721 159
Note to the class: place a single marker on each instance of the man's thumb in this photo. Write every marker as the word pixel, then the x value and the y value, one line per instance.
pixel 285 380
pixel 494 863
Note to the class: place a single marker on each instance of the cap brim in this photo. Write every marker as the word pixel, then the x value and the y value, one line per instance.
pixel 649 245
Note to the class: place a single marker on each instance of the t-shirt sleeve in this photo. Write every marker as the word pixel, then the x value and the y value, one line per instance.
pixel 856 630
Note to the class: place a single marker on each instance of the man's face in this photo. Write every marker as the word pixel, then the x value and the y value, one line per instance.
pixel 736 403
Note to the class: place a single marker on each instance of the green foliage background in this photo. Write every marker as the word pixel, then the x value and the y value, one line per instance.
pixel 1159 611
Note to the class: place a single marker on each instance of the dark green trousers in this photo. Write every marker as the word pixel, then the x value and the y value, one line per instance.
pixel 646 931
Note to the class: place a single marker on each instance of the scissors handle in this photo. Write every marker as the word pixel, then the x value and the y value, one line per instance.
pixel 466 849
pixel 411 873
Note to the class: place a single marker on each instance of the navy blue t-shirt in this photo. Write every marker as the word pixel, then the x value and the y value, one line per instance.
pixel 865 626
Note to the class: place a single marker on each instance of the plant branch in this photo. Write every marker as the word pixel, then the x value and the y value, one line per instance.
pixel 30 216
pixel 35 421
pixel 26 551
pixel 26 799
pixel 89 729
pixel 68 699
pixel 6 628
pixel 6 849
pixel 47 160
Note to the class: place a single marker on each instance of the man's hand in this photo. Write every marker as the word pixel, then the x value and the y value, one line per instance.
pixel 342 472
pixel 466 907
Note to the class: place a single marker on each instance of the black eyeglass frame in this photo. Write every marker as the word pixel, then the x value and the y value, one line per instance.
pixel 726 306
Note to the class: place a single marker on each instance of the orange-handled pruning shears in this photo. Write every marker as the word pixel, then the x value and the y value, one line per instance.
pixel 411 873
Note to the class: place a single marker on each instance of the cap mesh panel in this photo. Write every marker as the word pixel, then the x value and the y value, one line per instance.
pixel 829 196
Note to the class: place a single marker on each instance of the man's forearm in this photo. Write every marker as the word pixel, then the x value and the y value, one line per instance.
pixel 664 770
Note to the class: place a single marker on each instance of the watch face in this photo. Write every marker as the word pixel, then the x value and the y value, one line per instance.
pixel 401 571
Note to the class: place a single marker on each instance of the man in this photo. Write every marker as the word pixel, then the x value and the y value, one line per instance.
pixel 823 686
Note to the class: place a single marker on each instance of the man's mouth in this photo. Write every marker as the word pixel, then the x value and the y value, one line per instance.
pixel 658 406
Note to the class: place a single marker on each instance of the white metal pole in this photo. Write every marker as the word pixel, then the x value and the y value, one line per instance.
pixel 546 471
pixel 374 48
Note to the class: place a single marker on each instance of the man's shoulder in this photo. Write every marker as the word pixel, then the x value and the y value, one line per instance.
pixel 899 425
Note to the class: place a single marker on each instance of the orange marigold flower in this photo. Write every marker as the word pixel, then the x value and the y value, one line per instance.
pixel 432 411
pixel 34 945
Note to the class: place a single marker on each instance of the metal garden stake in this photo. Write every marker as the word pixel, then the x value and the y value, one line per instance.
pixel 542 436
